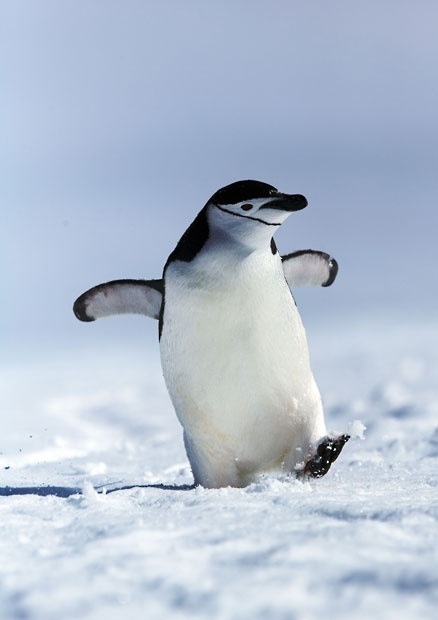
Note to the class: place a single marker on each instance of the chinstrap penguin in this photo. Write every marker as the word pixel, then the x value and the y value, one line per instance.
pixel 233 348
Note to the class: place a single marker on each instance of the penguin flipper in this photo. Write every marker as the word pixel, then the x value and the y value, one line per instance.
pixel 120 297
pixel 309 268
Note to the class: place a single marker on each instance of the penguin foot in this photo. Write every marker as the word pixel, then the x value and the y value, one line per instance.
pixel 327 452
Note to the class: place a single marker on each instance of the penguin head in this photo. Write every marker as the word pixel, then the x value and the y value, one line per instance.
pixel 250 211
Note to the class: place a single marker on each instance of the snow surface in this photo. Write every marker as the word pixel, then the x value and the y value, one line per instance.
pixel 358 543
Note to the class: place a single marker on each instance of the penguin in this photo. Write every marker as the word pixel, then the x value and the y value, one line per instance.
pixel 233 348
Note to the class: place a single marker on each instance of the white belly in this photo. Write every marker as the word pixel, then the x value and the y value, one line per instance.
pixel 236 364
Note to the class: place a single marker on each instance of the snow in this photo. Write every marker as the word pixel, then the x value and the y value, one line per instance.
pixel 356 429
pixel 357 543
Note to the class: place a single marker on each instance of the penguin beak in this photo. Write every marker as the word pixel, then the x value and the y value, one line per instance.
pixel 287 202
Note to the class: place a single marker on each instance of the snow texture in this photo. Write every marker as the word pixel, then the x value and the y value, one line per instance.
pixel 357 543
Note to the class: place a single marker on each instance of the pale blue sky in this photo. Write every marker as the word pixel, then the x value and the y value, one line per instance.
pixel 119 120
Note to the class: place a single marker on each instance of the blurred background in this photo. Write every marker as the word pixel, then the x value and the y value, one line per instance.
pixel 120 119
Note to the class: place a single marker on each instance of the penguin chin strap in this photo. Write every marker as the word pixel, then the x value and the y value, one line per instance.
pixel 248 217
pixel 327 451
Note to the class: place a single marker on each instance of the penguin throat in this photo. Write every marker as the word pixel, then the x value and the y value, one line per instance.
pixel 247 217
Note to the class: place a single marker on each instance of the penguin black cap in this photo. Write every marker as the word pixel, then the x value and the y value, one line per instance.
pixel 240 191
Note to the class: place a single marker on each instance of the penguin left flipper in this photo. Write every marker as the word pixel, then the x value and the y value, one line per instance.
pixel 120 297
pixel 328 450
pixel 309 268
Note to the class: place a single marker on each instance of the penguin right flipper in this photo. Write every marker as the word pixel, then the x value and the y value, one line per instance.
pixel 309 268
pixel 120 297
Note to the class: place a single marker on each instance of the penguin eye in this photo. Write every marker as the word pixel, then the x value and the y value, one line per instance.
pixel 246 207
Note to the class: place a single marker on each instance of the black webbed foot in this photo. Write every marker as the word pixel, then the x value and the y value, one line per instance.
pixel 327 452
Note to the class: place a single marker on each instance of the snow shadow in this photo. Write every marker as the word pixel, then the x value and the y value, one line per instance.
pixel 56 491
